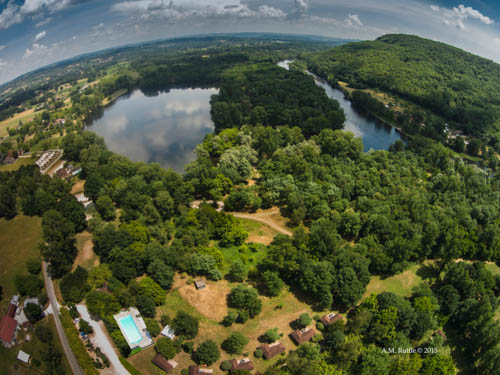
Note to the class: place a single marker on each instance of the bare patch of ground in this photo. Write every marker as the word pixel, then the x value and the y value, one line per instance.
pixel 86 256
pixel 271 217
pixel 78 187
pixel 210 302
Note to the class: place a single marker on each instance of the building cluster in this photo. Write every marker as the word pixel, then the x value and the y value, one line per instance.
pixel 67 172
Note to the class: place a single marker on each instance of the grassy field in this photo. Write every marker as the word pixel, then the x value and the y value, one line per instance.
pixel 86 256
pixel 19 240
pixel 19 162
pixel 269 318
pixel 400 284
pixel 13 121
pixel 258 232
pixel 9 361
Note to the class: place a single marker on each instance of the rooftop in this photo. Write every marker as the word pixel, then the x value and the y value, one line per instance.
pixel 7 329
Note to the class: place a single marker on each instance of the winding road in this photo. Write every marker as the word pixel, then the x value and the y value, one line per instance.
pixel 49 287
pixel 264 218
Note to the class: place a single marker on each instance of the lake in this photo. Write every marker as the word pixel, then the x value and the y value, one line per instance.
pixel 375 134
pixel 164 128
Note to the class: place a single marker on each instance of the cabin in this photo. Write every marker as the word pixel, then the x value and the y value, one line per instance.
pixel 168 332
pixel 243 364
pixel 23 357
pixel 197 370
pixel 166 365
pixel 200 284
pixel 301 336
pixel 330 319
pixel 272 350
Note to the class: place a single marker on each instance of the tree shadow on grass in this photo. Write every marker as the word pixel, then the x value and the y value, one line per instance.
pixel 428 271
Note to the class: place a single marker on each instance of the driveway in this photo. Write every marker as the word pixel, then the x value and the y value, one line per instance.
pixel 49 287
pixel 100 339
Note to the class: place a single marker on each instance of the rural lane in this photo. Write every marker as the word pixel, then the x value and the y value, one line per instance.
pixel 49 287
pixel 264 218
pixel 101 340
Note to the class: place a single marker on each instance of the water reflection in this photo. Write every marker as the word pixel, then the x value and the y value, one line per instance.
pixel 164 128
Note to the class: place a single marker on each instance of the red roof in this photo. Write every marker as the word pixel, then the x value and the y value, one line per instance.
pixel 7 329
pixel 303 335
pixel 330 318
pixel 272 350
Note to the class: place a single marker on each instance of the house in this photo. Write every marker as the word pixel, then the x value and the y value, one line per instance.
pixel 33 301
pixel 8 327
pixel 11 310
pixel 330 318
pixel 166 365
pixel 168 332
pixel 243 364
pixel 272 350
pixel 303 335
pixel 23 357
pixel 200 284
pixel 197 370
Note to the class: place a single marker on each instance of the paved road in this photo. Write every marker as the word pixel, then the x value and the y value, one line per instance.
pixel 49 287
pixel 101 340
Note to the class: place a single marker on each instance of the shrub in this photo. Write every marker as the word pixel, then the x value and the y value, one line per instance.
pixel 229 319
pixel 271 335
pixel 304 320
pixel 43 333
pixel 34 266
pixel 188 347
pixel 320 326
pixel 165 320
pixel 33 312
pixel 85 327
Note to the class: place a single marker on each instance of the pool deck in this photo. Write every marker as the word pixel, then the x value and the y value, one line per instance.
pixel 141 326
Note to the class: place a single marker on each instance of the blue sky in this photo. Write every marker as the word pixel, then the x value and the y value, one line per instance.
pixel 34 33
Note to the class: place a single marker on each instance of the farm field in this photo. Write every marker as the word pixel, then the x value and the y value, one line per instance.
pixel 12 122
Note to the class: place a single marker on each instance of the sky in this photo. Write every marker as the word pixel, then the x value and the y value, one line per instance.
pixel 34 33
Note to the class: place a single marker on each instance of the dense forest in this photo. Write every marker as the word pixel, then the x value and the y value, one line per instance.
pixel 457 85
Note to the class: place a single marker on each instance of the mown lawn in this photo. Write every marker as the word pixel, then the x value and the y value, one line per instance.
pixel 13 121
pixel 19 240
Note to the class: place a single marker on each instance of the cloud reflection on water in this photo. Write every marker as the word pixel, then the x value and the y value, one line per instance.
pixel 165 128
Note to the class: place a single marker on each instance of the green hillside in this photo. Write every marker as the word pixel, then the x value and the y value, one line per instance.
pixel 461 87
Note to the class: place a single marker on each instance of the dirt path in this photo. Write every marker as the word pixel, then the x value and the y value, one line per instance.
pixel 268 217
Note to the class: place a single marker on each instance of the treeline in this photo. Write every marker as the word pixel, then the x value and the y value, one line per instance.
pixel 448 81
pixel 268 94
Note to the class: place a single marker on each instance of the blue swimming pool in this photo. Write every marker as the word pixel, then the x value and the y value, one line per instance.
pixel 131 330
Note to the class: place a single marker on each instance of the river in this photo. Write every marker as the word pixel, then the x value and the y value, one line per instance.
pixel 375 134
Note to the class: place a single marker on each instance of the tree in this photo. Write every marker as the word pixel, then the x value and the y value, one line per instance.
pixel 207 353
pixel 34 266
pixel 271 284
pixel 244 298
pixel 33 312
pixel 74 285
pixel 73 211
pixel 237 271
pixel 271 335
pixel 185 325
pixel 28 285
pixel 97 276
pixel 304 320
pixel 85 327
pixel 149 287
pixel 146 305
pixel 161 273
pixel 438 364
pixel 235 343
pixel 59 248
pixel 106 207
pixel 152 326
pixel 8 203
pixel 43 332
pixel 165 347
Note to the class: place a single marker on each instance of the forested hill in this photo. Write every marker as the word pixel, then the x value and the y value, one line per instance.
pixel 461 87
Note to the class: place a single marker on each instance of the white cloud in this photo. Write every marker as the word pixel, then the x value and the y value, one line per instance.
pixel 267 11
pixel 44 22
pixel 97 27
pixel 2 47
pixel 40 36
pixel 465 12
pixel 457 15
pixel 3 64
pixel 36 49
pixel 353 20
pixel 14 14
